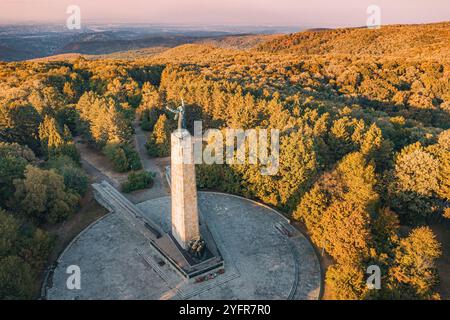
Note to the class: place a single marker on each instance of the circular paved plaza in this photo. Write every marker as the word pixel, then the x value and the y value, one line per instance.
pixel 265 257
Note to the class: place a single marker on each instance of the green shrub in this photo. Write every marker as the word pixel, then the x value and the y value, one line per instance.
pixel 123 157
pixel 16 279
pixel 51 202
pixel 24 250
pixel 134 161
pixel 74 176
pixel 137 181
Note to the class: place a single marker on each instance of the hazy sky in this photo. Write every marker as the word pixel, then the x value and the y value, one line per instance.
pixel 229 12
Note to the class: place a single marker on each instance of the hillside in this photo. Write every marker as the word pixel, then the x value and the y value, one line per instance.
pixel 116 45
pixel 7 52
pixel 176 46
pixel 428 41
pixel 241 42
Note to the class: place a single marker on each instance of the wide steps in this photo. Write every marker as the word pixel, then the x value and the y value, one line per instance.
pixel 116 202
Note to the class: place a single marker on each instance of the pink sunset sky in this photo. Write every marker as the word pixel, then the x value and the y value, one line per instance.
pixel 324 13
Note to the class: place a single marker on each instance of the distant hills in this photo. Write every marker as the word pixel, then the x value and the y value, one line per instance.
pixel 115 45
pixel 31 42
pixel 7 53
pixel 425 41
pixel 418 41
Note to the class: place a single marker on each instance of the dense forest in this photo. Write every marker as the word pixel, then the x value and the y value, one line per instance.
pixel 364 117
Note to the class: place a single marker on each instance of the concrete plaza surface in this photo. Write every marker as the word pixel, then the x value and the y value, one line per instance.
pixel 265 257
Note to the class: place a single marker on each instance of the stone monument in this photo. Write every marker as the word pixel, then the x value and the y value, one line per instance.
pixel 185 217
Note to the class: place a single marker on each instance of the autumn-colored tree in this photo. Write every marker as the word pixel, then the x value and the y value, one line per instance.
pixel 376 148
pixel 158 144
pixel 416 183
pixel 43 196
pixel 50 136
pixel 124 90
pixel 346 282
pixel 441 151
pixel 70 92
pixel 340 199
pixel 343 136
pixel 288 176
pixel 46 99
pixel 56 142
pixel 150 108
pixel 102 120
pixel 413 274
pixel 311 210
pixel 346 232
pixel 359 178
pixel 417 171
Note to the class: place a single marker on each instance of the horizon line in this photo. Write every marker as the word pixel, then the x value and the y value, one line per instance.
pixel 187 24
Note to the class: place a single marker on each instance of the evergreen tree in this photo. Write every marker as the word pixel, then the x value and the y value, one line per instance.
pixel 13 160
pixel 158 144
pixel 20 123
pixel 56 142
pixel 50 136
pixel 102 120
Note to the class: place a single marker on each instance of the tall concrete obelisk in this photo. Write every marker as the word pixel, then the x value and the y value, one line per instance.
pixel 185 221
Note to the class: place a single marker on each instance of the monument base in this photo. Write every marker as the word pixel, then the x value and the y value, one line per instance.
pixel 180 260
pixel 159 238
pixel 183 262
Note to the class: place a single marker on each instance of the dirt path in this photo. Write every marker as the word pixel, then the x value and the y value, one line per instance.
pixel 99 168
pixel 160 188
pixel 97 165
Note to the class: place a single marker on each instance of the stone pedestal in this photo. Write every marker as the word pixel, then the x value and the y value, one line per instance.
pixel 185 221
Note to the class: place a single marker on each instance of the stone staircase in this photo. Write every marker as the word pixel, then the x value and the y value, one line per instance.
pixel 112 199
pixel 185 289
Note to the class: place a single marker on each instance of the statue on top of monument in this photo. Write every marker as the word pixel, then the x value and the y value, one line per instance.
pixel 197 248
pixel 179 115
